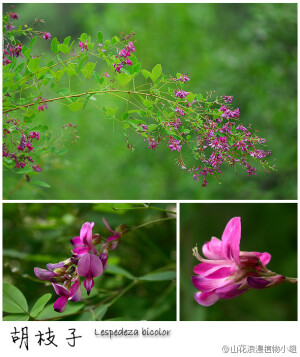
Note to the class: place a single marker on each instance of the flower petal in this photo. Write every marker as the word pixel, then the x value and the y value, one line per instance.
pixel 61 290
pixel 86 233
pixel 76 241
pixel 263 257
pixel 257 282
pixel 88 284
pixel 213 271
pixel 206 299
pixel 231 240
pixel 89 265
pixel 75 291
pixel 230 291
pixel 44 274
pixel 213 249
pixel 205 268
pixel 80 251
pixel 96 265
pixel 55 266
pixel 222 272
pixel 204 284
pixel 60 304
pixel 107 225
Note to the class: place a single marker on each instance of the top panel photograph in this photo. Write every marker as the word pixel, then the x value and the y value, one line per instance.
pixel 149 101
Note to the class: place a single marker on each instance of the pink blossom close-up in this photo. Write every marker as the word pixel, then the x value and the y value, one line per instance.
pixel 229 272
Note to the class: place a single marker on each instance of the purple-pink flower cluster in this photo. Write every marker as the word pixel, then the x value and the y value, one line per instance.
pixel 174 144
pixel 221 140
pixel 124 53
pixel 83 46
pixel 86 263
pixel 23 148
pixel 227 271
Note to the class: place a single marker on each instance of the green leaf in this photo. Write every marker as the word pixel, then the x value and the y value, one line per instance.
pixel 54 46
pixel 83 59
pixel 33 64
pixel 164 275
pixel 67 40
pixel 156 72
pixel 18 317
pixel 100 36
pixel 115 269
pixel 49 312
pixel 40 127
pixel 100 311
pixel 190 97
pixel 115 40
pixel 40 183
pixel 64 48
pixel 110 111
pixel 58 74
pixel 20 67
pixel 147 103
pixel 88 69
pixel 136 69
pixel 83 37
pixel 152 127
pixel 125 116
pixel 32 42
pixel 13 299
pixel 71 70
pixel 39 306
pixel 146 74
pixel 100 80
pixel 75 106
pixel 123 79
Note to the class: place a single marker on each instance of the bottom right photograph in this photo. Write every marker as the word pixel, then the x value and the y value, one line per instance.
pixel 238 262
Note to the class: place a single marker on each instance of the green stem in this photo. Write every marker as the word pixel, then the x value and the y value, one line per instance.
pixel 155 221
pixel 111 91
pixel 146 206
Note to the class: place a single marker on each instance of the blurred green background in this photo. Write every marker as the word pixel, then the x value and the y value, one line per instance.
pixel 245 50
pixel 36 234
pixel 265 228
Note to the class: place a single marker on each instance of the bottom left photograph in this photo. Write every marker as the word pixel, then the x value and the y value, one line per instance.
pixel 89 262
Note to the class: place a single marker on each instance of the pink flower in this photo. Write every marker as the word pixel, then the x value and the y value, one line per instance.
pixel 181 93
pixel 42 107
pixel 47 35
pixel 36 168
pixel 228 272
pixel 106 75
pixel 14 15
pixel 112 241
pixel 74 294
pixel 44 274
pixel 83 46
pixel 84 243
pixel 89 266
pixel 174 144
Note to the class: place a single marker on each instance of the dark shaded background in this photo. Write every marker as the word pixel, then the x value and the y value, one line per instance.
pixel 265 228
pixel 36 234
pixel 245 50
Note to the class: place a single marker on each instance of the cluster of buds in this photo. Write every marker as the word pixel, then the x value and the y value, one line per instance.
pixel 228 272
pixel 125 53
pixel 86 262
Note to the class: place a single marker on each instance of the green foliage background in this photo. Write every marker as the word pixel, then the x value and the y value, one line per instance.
pixel 245 50
pixel 265 228
pixel 36 234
